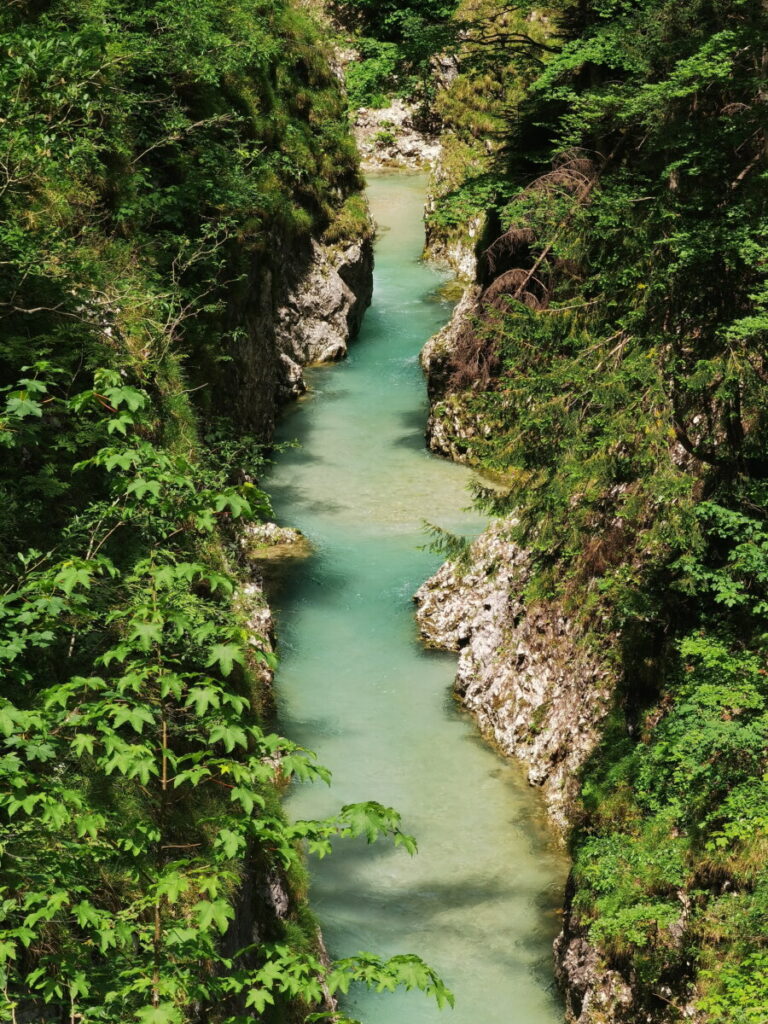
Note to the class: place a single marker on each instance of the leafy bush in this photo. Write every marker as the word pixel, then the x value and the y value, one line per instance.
pixel 620 381
pixel 370 79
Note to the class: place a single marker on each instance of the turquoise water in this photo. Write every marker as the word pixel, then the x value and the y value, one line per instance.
pixel 478 901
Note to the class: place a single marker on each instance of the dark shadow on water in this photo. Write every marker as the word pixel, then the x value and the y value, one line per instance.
pixel 411 442
pixel 414 419
pixel 296 496
pixel 290 583
pixel 416 908
pixel 300 456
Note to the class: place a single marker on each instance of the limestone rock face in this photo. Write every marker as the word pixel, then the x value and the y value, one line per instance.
pixel 594 993
pixel 256 616
pixel 324 309
pixel 456 252
pixel 298 307
pixel 436 354
pixel 392 137
pixel 537 694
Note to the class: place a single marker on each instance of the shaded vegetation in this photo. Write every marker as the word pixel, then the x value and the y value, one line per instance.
pixel 152 157
pixel 618 355
pixel 397 40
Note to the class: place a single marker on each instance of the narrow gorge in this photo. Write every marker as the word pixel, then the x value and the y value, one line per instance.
pixel 383 404
pixel 478 901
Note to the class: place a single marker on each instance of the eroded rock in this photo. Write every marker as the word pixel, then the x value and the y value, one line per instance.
pixel 392 137
pixel 537 693
pixel 323 310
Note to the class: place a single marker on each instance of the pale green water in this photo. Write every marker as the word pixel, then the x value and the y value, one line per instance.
pixel 478 900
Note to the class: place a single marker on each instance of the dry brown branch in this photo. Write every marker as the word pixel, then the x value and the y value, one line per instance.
pixel 511 245
pixel 508 284
pixel 474 360
pixel 750 166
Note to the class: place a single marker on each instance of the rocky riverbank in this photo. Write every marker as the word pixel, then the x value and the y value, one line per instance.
pixel 303 306
pixel 540 696
pixel 537 691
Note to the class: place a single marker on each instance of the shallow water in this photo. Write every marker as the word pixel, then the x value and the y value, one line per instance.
pixel 478 901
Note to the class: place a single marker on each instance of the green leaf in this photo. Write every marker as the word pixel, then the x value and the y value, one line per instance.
pixel 137 717
pixel 140 487
pixel 172 885
pixel 165 1013
pixel 259 998
pixel 225 656
pixel 21 406
pixel 230 842
pixel 229 735
pixel 147 633
pixel 86 914
pixel 203 697
pixel 247 798
pixel 71 576
pixel 217 912
pixel 82 742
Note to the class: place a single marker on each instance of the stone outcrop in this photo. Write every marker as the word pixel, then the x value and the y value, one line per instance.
pixel 453 249
pixel 392 137
pixel 303 305
pixel 265 897
pixel 323 310
pixel 254 613
pixel 435 356
pixel 536 692
pixel 594 993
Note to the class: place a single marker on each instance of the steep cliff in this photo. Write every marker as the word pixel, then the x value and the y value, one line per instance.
pixel 537 693
pixel 608 369
pixel 294 313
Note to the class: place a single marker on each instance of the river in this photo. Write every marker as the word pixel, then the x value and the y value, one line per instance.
pixel 355 685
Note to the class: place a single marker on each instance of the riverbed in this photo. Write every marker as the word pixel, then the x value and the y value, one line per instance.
pixel 478 902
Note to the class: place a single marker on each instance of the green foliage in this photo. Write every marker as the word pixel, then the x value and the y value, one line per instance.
pixel 624 406
pixel 470 199
pixel 370 79
pixel 397 40
pixel 153 154
pixel 121 866
pixel 449 545
pixel 742 992
pixel 392 19
pixel 194 133
pixel 474 109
